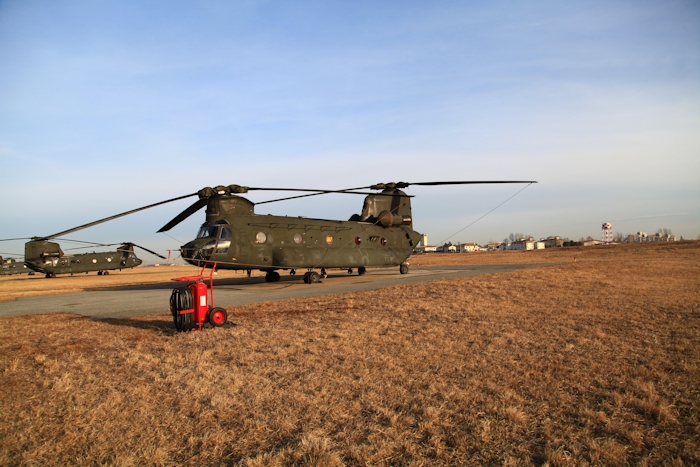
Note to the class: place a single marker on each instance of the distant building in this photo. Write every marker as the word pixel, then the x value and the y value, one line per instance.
pixel 553 242
pixel 468 247
pixel 423 240
pixel 523 244
pixel 447 249
pixel 643 237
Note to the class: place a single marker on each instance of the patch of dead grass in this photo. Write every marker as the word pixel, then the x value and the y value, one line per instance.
pixel 593 362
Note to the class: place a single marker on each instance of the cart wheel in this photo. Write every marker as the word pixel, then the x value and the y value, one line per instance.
pixel 218 317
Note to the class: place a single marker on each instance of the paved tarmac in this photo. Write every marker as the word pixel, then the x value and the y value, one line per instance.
pixel 126 302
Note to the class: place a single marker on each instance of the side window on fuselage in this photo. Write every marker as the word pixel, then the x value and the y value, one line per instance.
pixel 225 235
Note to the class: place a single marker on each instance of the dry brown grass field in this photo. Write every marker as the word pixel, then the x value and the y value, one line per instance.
pixel 589 362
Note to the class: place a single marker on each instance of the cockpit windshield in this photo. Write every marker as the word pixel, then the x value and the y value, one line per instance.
pixel 211 229
pixel 208 231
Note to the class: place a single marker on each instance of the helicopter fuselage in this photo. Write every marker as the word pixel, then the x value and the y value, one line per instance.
pixel 280 242
pixel 48 258
pixel 11 266
pixel 234 237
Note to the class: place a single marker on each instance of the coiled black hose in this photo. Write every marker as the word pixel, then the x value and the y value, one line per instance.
pixel 182 299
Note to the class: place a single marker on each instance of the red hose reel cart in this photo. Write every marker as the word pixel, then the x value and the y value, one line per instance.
pixel 192 306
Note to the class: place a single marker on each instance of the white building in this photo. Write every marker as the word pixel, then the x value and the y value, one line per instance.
pixel 468 247
pixel 523 244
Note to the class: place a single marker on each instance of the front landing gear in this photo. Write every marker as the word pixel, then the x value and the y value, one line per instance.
pixel 403 269
pixel 312 277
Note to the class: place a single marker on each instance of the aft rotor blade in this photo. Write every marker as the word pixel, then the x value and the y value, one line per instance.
pixel 146 249
pixel 85 226
pixel 354 190
pixel 196 206
pixel 468 182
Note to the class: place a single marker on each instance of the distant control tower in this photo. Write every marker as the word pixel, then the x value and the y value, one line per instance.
pixel 424 240
pixel 607 233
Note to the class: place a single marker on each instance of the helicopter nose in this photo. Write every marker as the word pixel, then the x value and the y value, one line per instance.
pixel 197 250
pixel 187 250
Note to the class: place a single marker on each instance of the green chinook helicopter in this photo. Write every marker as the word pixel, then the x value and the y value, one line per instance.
pixel 47 257
pixel 233 236
pixel 10 266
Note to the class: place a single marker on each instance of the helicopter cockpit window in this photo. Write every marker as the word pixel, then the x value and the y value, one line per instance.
pixel 224 240
pixel 211 230
pixel 208 231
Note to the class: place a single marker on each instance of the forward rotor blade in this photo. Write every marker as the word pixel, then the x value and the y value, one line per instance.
pixel 85 226
pixel 83 241
pixel 343 192
pixel 196 206
pixel 101 245
pixel 320 191
pixel 10 239
pixel 12 254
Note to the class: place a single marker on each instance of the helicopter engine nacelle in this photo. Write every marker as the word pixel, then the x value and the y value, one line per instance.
pixel 387 219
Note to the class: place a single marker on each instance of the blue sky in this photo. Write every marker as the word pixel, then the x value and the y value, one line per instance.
pixel 107 106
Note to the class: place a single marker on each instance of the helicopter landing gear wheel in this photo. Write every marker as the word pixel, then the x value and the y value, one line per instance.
pixel 50 275
pixel 272 276
pixel 105 273
pixel 361 271
pixel 312 277
pixel 403 269
pixel 349 270
pixel 99 273
pixel 293 272
pixel 218 317
pixel 324 274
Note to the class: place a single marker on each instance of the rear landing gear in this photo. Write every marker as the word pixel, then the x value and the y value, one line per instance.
pixel 361 271
pixel 272 276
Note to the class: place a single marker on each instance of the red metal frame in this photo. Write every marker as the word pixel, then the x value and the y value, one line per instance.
pixel 203 296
